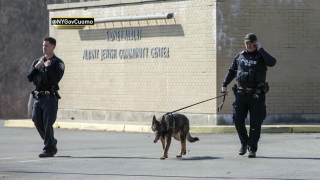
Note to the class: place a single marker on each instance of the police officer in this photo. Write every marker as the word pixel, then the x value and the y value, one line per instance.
pixel 249 67
pixel 45 73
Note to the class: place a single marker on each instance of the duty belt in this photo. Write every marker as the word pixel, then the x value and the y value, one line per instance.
pixel 39 94
pixel 248 90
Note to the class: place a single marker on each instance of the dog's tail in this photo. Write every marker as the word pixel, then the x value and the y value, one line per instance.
pixel 192 139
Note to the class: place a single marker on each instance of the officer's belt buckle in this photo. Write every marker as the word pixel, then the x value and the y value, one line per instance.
pixel 248 90
pixel 47 93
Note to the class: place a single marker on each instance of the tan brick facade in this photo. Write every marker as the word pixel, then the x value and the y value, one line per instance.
pixel 289 30
pixel 203 39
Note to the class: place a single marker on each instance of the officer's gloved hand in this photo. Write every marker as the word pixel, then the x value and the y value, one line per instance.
pixel 224 90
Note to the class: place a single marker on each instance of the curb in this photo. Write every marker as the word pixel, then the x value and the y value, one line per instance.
pixel 82 126
pixel 147 129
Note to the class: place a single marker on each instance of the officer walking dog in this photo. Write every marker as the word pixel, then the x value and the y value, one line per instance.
pixel 45 73
pixel 250 69
pixel 172 125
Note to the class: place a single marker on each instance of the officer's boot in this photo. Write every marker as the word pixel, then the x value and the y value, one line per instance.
pixel 243 150
pixel 252 154
pixel 46 154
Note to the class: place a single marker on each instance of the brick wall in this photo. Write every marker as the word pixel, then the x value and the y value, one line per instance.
pixel 147 84
pixel 288 30
pixel 203 39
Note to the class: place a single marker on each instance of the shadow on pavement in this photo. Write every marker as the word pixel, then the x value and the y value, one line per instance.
pixel 146 175
pixel 287 158
pixel 173 158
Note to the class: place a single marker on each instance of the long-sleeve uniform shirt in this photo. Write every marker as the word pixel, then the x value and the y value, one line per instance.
pixel 46 77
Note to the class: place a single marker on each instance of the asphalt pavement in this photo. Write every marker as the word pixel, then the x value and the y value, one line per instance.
pixel 86 154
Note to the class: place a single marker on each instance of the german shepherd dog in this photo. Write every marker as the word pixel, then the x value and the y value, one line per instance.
pixel 172 125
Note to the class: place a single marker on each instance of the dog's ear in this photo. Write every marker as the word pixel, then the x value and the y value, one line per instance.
pixel 154 118
pixel 163 118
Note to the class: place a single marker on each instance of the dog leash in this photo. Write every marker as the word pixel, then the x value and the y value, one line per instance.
pixel 219 107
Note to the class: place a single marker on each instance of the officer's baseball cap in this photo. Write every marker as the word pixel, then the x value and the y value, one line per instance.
pixel 250 37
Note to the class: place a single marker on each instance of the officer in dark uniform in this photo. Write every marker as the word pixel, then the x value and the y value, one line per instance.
pixel 250 69
pixel 45 73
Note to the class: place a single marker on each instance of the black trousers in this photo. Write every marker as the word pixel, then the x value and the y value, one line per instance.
pixel 44 115
pixel 257 109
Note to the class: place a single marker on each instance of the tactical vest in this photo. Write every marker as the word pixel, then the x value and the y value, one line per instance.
pixel 251 70
pixel 41 79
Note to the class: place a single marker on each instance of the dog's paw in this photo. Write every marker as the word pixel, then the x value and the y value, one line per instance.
pixel 162 158
pixel 178 155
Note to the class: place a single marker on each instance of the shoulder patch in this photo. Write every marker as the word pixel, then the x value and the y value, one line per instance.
pixel 33 62
pixel 61 65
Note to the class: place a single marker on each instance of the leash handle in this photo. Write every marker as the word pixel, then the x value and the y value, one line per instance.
pixel 220 106
pixel 197 103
